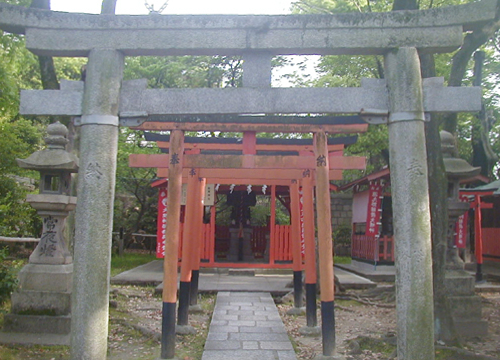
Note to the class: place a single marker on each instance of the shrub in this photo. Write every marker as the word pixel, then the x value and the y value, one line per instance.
pixel 8 280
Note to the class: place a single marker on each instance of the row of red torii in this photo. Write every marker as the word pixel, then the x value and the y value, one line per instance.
pixel 104 102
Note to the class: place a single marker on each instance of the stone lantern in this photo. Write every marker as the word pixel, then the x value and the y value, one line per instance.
pixel 53 203
pixel 41 306
pixel 457 169
pixel 465 304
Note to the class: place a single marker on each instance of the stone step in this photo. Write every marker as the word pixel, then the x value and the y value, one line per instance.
pixel 37 324
pixel 41 302
pixel 466 307
pixel 471 328
pixel 460 285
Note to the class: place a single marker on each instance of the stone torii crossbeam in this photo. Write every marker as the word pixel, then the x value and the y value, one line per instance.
pixel 105 102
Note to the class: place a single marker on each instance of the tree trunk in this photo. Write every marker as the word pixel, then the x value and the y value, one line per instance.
pixel 47 69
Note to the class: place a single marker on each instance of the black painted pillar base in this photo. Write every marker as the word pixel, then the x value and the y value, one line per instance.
pixel 168 331
pixel 479 273
pixel 312 318
pixel 183 312
pixel 193 297
pixel 328 327
pixel 297 289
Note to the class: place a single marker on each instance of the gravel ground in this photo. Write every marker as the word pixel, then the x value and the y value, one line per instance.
pixel 360 329
pixel 135 328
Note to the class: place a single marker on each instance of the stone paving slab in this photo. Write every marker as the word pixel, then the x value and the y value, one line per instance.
pixel 246 325
pixel 152 274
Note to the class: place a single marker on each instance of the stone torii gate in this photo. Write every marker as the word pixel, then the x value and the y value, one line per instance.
pixel 104 102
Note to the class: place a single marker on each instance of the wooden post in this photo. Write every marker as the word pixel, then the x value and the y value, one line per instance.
pixel 198 241
pixel 272 226
pixel 310 250
pixel 325 247
pixel 171 244
pixel 296 246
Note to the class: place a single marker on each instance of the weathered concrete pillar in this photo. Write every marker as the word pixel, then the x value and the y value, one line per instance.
pixel 325 247
pixel 94 211
pixel 412 230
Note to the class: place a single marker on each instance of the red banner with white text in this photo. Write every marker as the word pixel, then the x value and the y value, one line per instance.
pixel 461 227
pixel 161 226
pixel 374 211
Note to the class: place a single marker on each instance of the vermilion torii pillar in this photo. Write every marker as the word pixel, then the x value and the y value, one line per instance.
pixel 195 272
pixel 188 248
pixel 310 253
pixel 169 294
pixel 296 247
pixel 325 247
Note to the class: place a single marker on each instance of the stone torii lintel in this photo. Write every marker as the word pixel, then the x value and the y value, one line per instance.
pixel 434 30
pixel 139 103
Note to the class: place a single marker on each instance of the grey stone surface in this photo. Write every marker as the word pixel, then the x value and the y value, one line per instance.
pixel 34 339
pixel 408 162
pixel 185 330
pixel 94 212
pixel 40 277
pixel 325 41
pixel 37 324
pixel 257 69
pixel 17 19
pixel 251 100
pixel 253 339
pixel 310 331
pixel 33 301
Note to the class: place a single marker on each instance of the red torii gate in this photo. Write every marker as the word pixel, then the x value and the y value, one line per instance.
pixel 296 169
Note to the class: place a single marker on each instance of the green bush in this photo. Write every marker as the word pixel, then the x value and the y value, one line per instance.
pixel 8 280
pixel 342 234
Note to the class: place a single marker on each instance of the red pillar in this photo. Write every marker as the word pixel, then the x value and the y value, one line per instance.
pixel 478 238
pixel 169 295
pixel 310 249
pixel 296 243
pixel 188 246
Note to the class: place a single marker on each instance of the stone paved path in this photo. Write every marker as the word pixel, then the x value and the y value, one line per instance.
pixel 247 326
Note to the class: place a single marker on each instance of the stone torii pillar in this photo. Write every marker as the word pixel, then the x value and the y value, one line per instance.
pixel 410 194
pixel 94 211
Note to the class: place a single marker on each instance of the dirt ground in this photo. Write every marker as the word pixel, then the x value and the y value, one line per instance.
pixel 366 330
pixel 135 319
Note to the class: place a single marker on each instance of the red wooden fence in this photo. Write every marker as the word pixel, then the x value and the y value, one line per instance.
pixel 491 243
pixel 282 243
pixel 369 248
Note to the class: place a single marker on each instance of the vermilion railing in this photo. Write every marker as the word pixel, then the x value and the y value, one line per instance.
pixel 386 249
pixel 282 243
pixel 260 236
pixel 364 247
pixel 369 248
